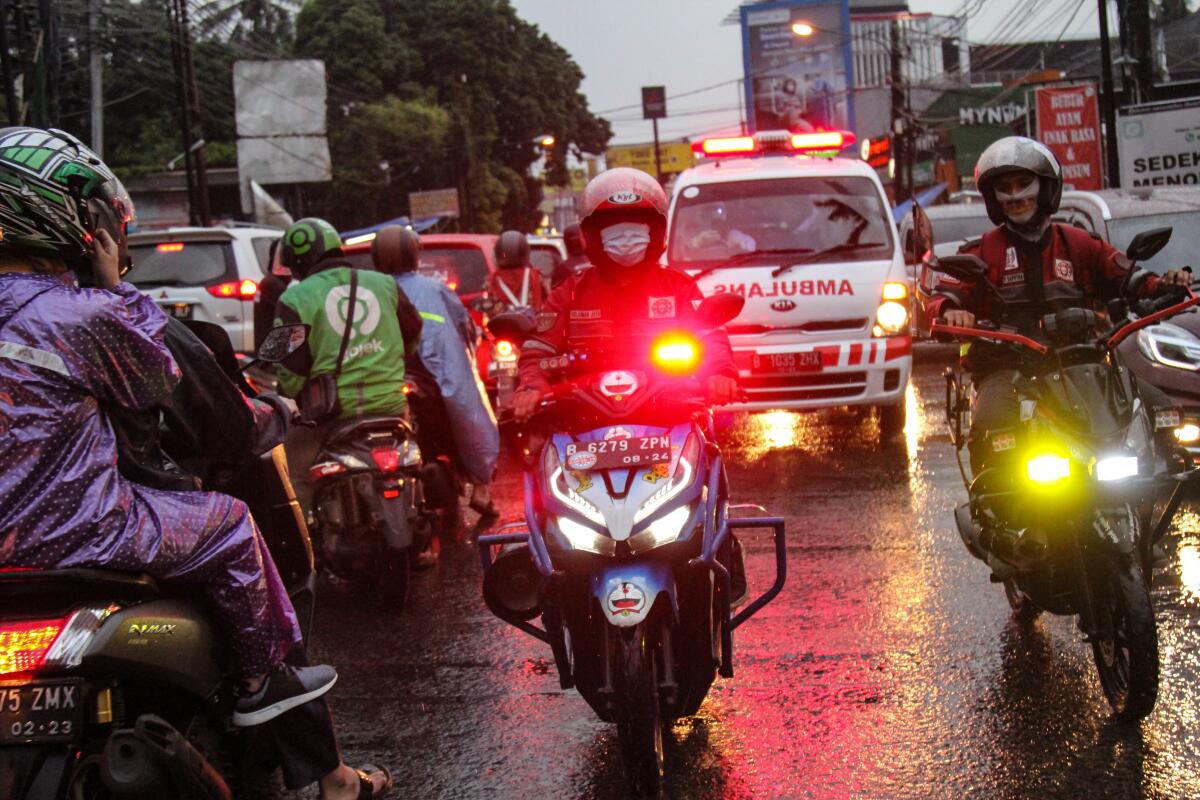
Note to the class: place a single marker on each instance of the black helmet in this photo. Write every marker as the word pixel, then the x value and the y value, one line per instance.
pixel 396 249
pixel 305 243
pixel 512 250
pixel 573 239
pixel 55 194
pixel 1016 154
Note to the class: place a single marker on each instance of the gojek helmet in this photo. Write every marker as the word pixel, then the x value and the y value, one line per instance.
pixel 624 219
pixel 305 243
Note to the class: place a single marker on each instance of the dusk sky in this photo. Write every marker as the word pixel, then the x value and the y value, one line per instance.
pixel 622 45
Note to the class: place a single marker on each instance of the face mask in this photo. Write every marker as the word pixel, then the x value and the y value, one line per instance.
pixel 1030 192
pixel 626 242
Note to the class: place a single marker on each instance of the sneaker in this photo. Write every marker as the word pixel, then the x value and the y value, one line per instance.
pixel 284 689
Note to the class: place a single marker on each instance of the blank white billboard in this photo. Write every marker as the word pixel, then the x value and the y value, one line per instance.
pixel 280 98
pixel 284 159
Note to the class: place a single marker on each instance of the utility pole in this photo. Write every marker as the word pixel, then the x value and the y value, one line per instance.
pixel 195 129
pixel 1141 46
pixel 95 67
pixel 1112 157
pixel 48 64
pixel 185 122
pixel 657 154
pixel 900 156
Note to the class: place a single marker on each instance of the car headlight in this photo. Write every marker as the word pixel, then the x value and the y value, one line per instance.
pixel 1047 468
pixel 1116 468
pixel 892 317
pixel 582 537
pixel 664 530
pixel 1170 345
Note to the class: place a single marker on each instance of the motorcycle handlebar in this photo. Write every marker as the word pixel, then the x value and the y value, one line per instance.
pixel 982 333
pixel 1150 319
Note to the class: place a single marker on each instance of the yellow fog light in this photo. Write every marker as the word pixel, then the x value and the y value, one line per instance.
pixel 892 317
pixel 1187 433
pixel 1047 468
pixel 895 291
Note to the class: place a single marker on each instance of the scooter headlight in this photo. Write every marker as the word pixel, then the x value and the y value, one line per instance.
pixel 1116 468
pixel 1048 468
pixel 664 530
pixel 563 492
pixel 1187 433
pixel 688 459
pixel 582 537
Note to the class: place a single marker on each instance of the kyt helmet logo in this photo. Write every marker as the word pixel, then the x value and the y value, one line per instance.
pixel 366 311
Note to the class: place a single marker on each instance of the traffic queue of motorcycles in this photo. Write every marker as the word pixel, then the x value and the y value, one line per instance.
pixel 622 564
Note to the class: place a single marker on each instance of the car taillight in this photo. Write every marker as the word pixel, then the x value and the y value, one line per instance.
pixel 386 458
pixel 235 290
pixel 24 645
pixel 170 247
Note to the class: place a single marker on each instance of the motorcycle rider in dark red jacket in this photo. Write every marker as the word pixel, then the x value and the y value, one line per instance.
pixel 624 222
pixel 1038 266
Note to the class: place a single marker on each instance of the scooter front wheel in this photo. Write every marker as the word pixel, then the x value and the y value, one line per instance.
pixel 639 726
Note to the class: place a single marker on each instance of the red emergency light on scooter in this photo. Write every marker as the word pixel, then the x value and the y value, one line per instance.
pixel 775 143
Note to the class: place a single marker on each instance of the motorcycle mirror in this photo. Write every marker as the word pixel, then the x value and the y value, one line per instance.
pixel 511 325
pixel 715 310
pixel 277 267
pixel 921 238
pixel 1147 243
pixel 281 342
pixel 966 268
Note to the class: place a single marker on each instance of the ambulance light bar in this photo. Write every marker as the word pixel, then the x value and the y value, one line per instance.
pixel 782 142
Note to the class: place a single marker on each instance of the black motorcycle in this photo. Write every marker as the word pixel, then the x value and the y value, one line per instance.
pixel 116 687
pixel 1065 511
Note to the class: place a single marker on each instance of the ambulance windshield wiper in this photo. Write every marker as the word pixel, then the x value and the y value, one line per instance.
pixel 811 257
pixel 751 255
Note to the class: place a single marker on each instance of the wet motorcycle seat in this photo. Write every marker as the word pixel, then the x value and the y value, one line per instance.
pixel 349 428
pixel 64 588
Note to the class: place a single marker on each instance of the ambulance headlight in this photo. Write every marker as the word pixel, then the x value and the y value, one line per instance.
pixel 892 317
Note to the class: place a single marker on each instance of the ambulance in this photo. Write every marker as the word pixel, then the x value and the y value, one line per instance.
pixel 808 239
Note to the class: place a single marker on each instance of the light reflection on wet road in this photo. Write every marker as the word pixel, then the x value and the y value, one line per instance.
pixel 888 668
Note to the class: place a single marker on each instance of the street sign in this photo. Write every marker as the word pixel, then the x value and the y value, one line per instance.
pixel 1068 120
pixel 877 152
pixel 435 203
pixel 675 157
pixel 1159 148
pixel 654 102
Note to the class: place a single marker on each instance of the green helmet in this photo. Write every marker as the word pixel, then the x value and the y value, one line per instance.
pixel 55 194
pixel 305 243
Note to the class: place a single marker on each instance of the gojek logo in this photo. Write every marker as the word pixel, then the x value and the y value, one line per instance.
pixel 365 320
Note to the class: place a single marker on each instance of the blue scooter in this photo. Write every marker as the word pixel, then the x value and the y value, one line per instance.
pixel 627 548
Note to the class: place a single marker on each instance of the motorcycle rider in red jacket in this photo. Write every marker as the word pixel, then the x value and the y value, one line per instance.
pixel 624 224
pixel 1038 266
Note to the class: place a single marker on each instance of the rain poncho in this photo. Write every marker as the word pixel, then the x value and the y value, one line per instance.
pixel 443 349
pixel 66 355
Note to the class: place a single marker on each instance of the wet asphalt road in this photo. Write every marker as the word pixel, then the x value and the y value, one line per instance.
pixel 888 668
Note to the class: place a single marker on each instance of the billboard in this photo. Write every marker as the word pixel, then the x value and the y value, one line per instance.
pixel 433 203
pixel 1160 148
pixel 279 107
pixel 1068 120
pixel 798 66
pixel 675 157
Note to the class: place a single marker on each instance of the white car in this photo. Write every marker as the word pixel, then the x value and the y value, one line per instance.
pixel 810 243
pixel 206 274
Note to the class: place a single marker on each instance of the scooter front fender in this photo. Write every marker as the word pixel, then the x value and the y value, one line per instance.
pixel 625 593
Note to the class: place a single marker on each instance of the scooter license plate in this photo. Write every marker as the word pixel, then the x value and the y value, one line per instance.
pixel 635 451
pixel 43 711
pixel 785 363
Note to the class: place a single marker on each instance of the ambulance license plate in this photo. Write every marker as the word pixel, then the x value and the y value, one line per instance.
pixel 785 363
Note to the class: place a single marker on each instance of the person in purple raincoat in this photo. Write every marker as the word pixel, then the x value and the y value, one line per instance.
pixel 69 356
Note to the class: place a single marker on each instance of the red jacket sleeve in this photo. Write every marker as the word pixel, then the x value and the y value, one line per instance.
pixel 549 339
pixel 949 293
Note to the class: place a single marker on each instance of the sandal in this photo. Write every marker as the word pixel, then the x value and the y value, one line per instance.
pixel 366 789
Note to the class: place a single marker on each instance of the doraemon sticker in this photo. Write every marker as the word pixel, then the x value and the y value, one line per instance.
pixel 583 460
pixel 618 383
pixel 627 603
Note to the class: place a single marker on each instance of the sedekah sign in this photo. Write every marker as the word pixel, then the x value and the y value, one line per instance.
pixel 1160 148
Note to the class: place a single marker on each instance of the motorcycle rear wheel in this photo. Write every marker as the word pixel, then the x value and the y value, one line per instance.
pixel 1127 660
pixel 640 729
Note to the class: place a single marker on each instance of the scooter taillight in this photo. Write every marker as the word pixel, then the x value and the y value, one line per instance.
pixel 24 645
pixel 324 470
pixel 386 458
